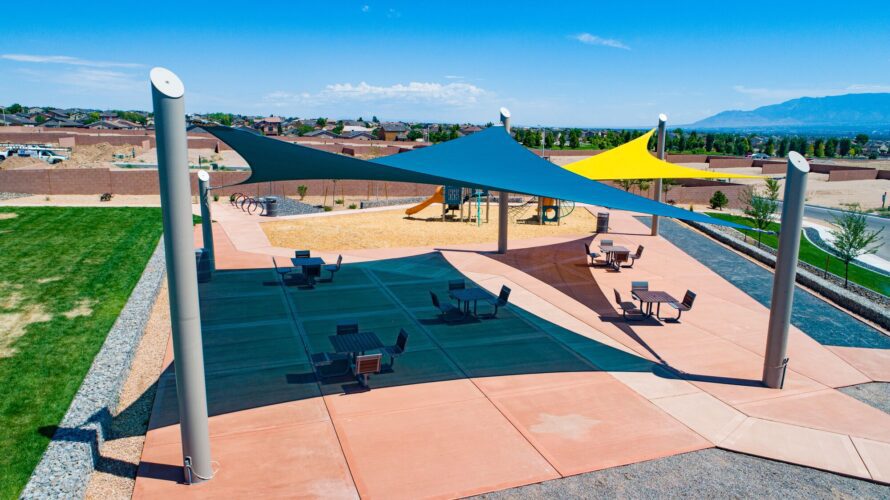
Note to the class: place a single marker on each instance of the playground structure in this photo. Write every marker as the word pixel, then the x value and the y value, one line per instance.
pixel 453 198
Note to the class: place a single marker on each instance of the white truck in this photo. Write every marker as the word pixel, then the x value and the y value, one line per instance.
pixel 46 155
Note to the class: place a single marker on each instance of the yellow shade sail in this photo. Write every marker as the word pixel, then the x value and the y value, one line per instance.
pixel 634 161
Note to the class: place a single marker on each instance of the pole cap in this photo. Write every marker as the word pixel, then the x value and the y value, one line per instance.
pixel 166 82
pixel 203 175
pixel 662 118
pixel 799 162
pixel 505 113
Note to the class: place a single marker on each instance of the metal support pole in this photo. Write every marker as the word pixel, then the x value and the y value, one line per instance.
pixel 206 228
pixel 659 148
pixel 185 318
pixel 503 207
pixel 775 362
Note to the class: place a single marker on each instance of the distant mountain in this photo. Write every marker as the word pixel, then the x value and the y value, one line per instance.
pixel 850 111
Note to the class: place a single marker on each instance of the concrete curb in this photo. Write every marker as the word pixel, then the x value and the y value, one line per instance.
pixel 64 471
pixel 837 294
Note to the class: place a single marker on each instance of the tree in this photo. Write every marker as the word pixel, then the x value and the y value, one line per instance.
pixel 374 119
pixel 575 138
pixel 338 129
pixel 819 148
pixel 769 148
pixel 831 147
pixel 92 117
pixel 782 150
pixel 414 134
pixel 549 140
pixel 562 139
pixel 321 122
pixel 760 209
pixel 852 237
pixel 709 142
pixel 718 200
pixel 221 118
pixel 302 190
pixel 40 119
pixel 843 147
pixel 625 184
pixel 861 139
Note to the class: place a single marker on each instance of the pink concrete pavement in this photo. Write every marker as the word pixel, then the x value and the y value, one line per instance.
pixel 470 436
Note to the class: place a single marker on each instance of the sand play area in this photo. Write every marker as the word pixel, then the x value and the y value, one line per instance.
pixel 394 229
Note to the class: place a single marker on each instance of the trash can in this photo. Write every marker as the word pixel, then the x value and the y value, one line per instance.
pixel 602 222
pixel 202 262
pixel 271 206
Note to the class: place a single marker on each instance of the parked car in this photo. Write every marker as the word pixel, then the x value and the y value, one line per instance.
pixel 6 154
pixel 760 156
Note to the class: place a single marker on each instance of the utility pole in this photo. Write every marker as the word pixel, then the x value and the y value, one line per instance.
pixel 182 277
pixel 503 207
pixel 659 148
pixel 775 363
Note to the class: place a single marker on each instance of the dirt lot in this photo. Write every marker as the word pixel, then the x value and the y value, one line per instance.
pixel 85 200
pixel 97 156
pixel 393 229
pixel 831 194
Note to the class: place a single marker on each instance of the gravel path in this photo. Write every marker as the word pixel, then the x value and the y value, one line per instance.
pixel 12 196
pixel 708 474
pixel 876 394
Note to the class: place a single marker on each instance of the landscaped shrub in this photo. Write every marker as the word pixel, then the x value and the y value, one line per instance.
pixel 302 190
pixel 327 208
pixel 339 202
pixel 719 200
pixel 352 206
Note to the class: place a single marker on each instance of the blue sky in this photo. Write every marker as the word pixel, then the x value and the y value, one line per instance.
pixel 554 63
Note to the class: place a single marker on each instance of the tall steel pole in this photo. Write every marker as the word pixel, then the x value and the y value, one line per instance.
pixel 176 206
pixel 774 364
pixel 206 228
pixel 503 206
pixel 659 148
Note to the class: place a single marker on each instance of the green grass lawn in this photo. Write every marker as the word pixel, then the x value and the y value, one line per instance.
pixel 811 254
pixel 66 275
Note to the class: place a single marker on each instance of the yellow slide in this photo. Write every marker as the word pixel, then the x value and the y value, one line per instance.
pixel 437 197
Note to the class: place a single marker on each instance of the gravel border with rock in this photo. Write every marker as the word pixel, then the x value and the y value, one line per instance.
pixel 64 471
pixel 13 196
pixel 391 202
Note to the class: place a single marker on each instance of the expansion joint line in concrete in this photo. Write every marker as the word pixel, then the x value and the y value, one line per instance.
pixel 304 341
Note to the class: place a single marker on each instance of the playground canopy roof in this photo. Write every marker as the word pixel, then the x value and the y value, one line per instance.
pixel 634 161
pixel 489 159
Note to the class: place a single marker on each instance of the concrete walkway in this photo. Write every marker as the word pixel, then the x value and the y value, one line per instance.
pixel 470 436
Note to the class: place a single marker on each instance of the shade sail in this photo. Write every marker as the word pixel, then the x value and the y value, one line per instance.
pixel 489 159
pixel 634 161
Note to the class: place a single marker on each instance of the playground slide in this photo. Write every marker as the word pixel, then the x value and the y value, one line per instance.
pixel 437 197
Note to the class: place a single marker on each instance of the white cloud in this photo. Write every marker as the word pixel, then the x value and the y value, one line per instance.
pixel 87 79
pixel 451 94
pixel 588 39
pixel 366 8
pixel 454 77
pixel 73 61
pixel 783 94
pixel 393 13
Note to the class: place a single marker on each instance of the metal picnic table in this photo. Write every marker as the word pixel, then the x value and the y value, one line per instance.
pixel 611 250
pixel 653 296
pixel 356 343
pixel 308 262
pixel 469 294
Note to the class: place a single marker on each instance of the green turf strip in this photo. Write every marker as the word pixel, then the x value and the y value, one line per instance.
pixel 88 254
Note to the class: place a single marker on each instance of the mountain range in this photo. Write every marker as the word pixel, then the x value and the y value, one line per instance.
pixel 861 112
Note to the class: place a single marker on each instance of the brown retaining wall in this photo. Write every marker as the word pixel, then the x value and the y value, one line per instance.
pixel 852 175
pixel 730 162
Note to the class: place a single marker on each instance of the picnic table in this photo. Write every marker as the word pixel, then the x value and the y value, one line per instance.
pixel 306 263
pixel 611 250
pixel 469 294
pixel 356 343
pixel 653 297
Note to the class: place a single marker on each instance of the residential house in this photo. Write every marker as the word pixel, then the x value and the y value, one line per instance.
pixel 391 131
pixel 17 120
pixel 358 135
pixel 59 123
pixel 322 134
pixel 470 129
pixel 270 125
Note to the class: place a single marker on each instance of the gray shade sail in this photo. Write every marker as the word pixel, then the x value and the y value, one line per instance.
pixel 489 159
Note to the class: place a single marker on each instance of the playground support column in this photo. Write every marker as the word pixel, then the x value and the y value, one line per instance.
pixel 206 228
pixel 662 121
pixel 503 207
pixel 774 363
pixel 185 318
